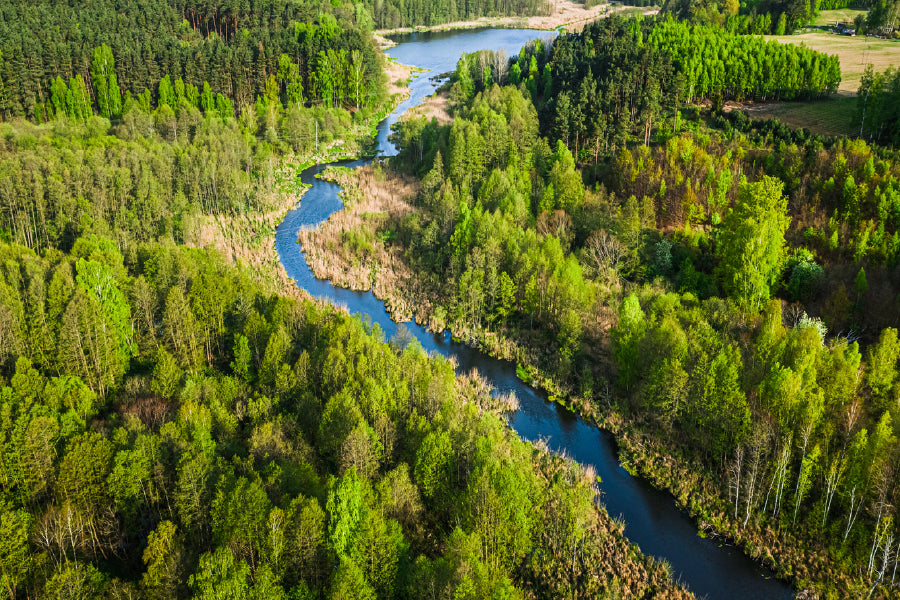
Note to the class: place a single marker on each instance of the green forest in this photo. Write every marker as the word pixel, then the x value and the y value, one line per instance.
pixel 390 14
pixel 106 57
pixel 780 17
pixel 720 293
pixel 720 290
pixel 172 430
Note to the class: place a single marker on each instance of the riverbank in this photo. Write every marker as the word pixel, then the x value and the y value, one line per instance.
pixel 352 249
pixel 703 495
pixel 798 559
pixel 566 14
pixel 248 238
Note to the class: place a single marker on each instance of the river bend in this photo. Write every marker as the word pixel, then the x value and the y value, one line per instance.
pixel 651 518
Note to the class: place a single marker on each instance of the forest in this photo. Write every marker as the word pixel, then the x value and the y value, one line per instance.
pixel 391 14
pixel 172 430
pixel 781 17
pixel 104 53
pixel 597 88
pixel 721 293
pixel 616 268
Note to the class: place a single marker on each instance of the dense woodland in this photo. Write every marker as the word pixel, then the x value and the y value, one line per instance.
pixel 390 14
pixel 170 430
pixel 772 366
pixel 619 77
pixel 781 17
pixel 102 54
pixel 172 155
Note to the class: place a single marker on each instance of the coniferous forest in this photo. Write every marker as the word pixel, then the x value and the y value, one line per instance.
pixel 109 55
pixel 178 421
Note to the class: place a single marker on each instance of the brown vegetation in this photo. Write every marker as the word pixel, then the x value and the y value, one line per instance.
pixel 398 78
pixel 435 106
pixel 349 248
pixel 248 238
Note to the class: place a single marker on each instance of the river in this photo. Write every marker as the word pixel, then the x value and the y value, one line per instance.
pixel 652 520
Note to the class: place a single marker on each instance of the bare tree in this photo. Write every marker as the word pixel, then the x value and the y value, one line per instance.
pixel 603 252
pixel 501 64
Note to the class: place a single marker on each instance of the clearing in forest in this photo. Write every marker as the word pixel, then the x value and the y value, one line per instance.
pixel 833 116
pixel 842 15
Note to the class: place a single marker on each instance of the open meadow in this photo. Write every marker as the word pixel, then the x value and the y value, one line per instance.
pixel 843 15
pixel 833 116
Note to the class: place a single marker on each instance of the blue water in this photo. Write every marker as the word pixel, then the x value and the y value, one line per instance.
pixel 651 518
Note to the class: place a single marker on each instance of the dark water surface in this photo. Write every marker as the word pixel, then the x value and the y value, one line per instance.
pixel 651 518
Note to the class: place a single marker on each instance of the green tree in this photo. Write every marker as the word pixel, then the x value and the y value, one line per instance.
pixel 99 281
pixel 433 462
pixel 166 375
pixel 346 510
pixel 106 87
pixel 380 552
pixel 750 244
pixel 76 581
pixel 349 583
pixel 83 476
pixel 16 557
pixel 242 358
pixel 881 367
pixel 626 340
pixel 163 559
pixel 220 577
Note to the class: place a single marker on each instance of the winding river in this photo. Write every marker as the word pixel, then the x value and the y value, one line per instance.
pixel 651 518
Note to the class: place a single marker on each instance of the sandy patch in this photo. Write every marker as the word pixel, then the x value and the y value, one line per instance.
pixel 563 13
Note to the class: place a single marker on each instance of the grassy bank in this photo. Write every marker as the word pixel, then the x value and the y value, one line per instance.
pixel 795 555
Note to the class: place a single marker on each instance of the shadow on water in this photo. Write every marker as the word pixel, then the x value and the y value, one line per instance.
pixel 651 518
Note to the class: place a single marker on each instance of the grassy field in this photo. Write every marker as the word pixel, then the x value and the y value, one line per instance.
pixel 854 52
pixel 844 15
pixel 824 117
